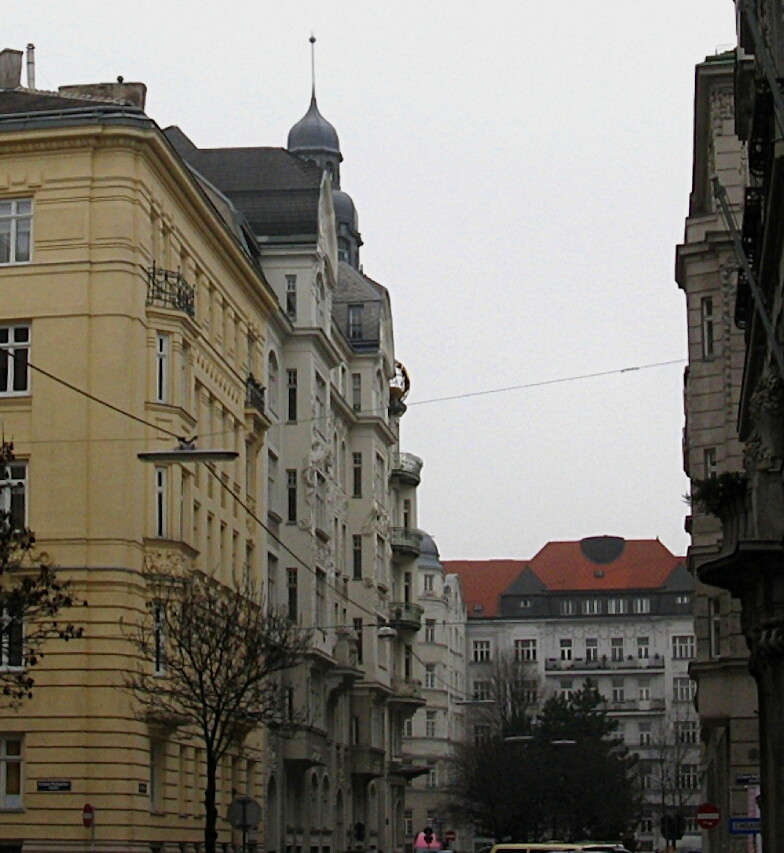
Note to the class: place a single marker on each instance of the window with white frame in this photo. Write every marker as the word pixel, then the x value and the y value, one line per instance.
pixel 683 647
pixel 566 689
pixel 430 724
pixel 645 734
pixel 430 630
pixel 408 820
pixel 355 313
pixel 482 690
pixel 565 647
pixel 643 648
pixel 525 650
pixel 641 605
pixel 10 771
pixel 592 649
pixel 430 676
pixel 688 776
pixel 273 379
pixel 567 608
pixel 592 606
pixel 618 692
pixel 480 651
pixel 709 466
pixel 13 493
pixel 644 690
pixel 428 583
pixel 529 691
pixel 617 606
pixel 686 731
pixel 16 225
pixel 482 733
pixel 14 359
pixel 683 688
pixel 356 392
pixel 616 648
pixel 291 297
pixel 432 776
pixel 683 599
pixel 408 727
pixel 162 367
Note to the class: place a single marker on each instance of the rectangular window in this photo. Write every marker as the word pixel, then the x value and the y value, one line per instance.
pixel 408 815
pixel 159 638
pixel 592 606
pixel 643 648
pixel 706 324
pixel 13 493
pixel 566 689
pixel 291 297
pixel 428 582
pixel 530 691
pixel 16 220
pixel 160 502
pixel 408 727
pixel 162 348
pixel 432 777
pixel 357 475
pixel 407 512
pixel 293 595
pixel 157 758
pixel 686 731
pixel 709 462
pixel 14 358
pixel 482 733
pixel 616 648
pixel 683 647
pixel 591 649
pixel 688 776
pixel 358 634
pixel 430 724
pixel 10 772
pixel 618 693
pixel 683 688
pixel 481 651
pixel 356 392
pixel 567 608
pixel 272 478
pixel 356 550
pixel 645 734
pixel 566 649
pixel 430 630
pixel 641 605
pixel 12 640
pixel 430 675
pixel 644 691
pixel 482 691
pixel 379 479
pixel 291 413
pixel 617 606
pixel 355 322
pixel 291 495
pixel 525 650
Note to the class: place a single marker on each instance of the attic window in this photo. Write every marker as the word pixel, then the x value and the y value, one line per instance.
pixel 598 573
pixel 478 608
pixel 525 602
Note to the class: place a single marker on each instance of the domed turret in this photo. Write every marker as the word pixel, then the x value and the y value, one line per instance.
pixel 314 138
pixel 429 557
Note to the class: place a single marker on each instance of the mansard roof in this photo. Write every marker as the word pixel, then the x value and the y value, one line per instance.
pixel 277 192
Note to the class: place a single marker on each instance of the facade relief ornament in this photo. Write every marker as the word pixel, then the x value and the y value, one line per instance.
pixel 767 409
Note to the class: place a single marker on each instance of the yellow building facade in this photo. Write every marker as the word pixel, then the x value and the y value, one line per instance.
pixel 123 279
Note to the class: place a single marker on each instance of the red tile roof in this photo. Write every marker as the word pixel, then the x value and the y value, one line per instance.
pixel 640 564
pixel 482 581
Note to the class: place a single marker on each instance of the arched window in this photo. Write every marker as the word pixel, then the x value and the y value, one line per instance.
pixel 273 378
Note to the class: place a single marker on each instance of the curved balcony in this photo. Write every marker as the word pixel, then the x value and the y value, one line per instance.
pixel 407 468
pixel 406 541
pixel 405 615
pixel 406 694
pixel 367 762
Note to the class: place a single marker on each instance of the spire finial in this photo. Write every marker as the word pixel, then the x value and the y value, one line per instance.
pixel 313 65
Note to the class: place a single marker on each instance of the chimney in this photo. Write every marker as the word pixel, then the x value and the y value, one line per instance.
pixel 31 66
pixel 133 94
pixel 10 69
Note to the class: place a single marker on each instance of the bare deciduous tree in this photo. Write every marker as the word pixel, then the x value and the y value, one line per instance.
pixel 212 659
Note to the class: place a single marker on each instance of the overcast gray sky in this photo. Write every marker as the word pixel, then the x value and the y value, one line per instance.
pixel 521 171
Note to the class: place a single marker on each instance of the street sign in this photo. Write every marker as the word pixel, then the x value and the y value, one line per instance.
pixel 745 825
pixel 88 815
pixel 244 813
pixel 450 835
pixel 747 779
pixel 708 815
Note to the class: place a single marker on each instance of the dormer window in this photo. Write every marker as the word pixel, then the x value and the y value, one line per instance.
pixel 355 322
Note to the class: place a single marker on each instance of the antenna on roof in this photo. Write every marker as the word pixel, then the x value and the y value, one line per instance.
pixel 313 66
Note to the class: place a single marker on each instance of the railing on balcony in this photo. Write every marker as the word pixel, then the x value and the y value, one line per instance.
pixel 407 467
pixel 556 665
pixel 406 540
pixel 634 705
pixel 405 615
pixel 254 394
pixel 168 289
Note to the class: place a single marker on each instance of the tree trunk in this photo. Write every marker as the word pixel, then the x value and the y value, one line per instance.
pixel 210 808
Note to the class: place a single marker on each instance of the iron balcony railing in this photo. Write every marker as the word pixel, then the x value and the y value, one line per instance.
pixel 254 394
pixel 407 540
pixel 405 614
pixel 604 662
pixel 168 289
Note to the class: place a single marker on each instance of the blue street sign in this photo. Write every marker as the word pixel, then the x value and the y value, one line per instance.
pixel 745 825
